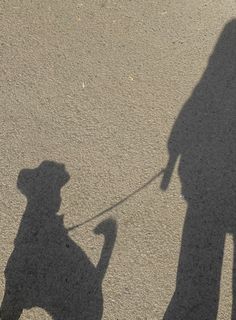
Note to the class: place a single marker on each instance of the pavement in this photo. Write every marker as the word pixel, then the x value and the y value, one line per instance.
pixel 97 86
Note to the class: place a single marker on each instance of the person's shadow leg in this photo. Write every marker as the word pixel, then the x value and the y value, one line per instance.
pixel 198 278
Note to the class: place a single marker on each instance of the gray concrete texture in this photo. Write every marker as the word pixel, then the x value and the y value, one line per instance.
pixel 97 86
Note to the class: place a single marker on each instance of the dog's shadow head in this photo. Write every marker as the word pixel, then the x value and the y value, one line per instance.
pixel 42 185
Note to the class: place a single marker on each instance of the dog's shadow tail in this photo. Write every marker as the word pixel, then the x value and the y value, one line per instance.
pixel 108 228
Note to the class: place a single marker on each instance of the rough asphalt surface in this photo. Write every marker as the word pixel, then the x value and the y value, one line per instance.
pixel 97 98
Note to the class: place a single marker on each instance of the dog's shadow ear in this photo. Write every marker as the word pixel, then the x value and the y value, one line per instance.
pixel 25 182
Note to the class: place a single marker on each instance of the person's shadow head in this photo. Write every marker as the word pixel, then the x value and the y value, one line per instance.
pixel 42 185
pixel 47 269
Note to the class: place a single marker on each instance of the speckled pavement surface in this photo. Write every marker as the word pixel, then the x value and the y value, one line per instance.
pixel 97 85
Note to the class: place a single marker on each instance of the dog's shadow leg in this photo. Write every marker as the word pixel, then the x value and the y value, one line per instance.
pixel 9 309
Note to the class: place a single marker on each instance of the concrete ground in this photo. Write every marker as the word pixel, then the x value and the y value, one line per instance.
pixel 97 86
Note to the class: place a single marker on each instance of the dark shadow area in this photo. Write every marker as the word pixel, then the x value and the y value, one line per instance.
pixel 203 138
pixel 47 268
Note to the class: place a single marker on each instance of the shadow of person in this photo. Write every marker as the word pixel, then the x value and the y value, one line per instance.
pixel 47 268
pixel 203 138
